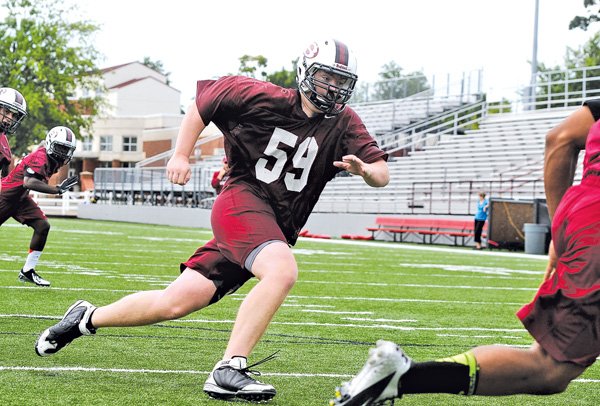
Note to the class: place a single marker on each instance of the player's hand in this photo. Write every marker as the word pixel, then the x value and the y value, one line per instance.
pixel 551 267
pixel 67 184
pixel 178 169
pixel 352 164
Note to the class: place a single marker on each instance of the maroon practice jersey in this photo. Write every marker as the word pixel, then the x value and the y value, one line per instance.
pixel 591 162
pixel 272 145
pixel 35 165
pixel 5 154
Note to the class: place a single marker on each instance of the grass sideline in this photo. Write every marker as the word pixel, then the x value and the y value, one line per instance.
pixel 434 303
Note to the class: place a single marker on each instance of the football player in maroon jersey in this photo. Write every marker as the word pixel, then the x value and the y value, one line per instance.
pixel 283 146
pixel 13 110
pixel 220 177
pixel 32 173
pixel 563 318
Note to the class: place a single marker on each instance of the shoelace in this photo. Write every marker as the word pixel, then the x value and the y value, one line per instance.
pixel 247 370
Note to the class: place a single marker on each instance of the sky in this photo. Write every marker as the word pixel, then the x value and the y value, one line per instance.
pixel 204 39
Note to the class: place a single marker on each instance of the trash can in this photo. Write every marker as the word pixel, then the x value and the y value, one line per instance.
pixel 535 238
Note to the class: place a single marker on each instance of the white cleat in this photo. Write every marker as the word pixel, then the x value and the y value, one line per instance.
pixel 378 380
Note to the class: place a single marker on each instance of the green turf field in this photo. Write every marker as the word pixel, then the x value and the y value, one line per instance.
pixel 434 302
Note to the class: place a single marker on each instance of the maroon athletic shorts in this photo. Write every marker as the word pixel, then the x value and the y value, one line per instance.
pixel 24 210
pixel 564 316
pixel 241 221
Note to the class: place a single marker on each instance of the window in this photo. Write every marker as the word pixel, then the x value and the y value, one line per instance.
pixel 104 164
pixel 129 144
pixel 106 142
pixel 86 143
pixel 127 164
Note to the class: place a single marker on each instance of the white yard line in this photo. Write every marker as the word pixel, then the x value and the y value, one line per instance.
pixel 425 248
pixel 315 324
pixel 182 372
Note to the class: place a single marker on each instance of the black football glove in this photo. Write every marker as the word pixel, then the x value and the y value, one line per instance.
pixel 67 184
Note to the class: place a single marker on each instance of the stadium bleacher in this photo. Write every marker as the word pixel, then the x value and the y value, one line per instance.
pixel 504 154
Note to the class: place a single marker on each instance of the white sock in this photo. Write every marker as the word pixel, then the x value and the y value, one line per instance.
pixel 32 260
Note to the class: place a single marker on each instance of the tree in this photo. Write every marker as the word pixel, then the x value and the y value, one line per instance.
pixel 557 83
pixel 250 64
pixel 284 77
pixel 157 66
pixel 393 84
pixel 584 22
pixel 49 60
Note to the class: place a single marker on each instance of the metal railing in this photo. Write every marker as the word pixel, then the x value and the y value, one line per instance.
pixel 150 186
pixel 65 205
pixel 160 160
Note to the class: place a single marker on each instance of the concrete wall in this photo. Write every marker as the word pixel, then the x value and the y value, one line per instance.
pixel 319 223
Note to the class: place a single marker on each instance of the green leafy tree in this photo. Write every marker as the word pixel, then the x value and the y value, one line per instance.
pixel 252 66
pixel 157 66
pixel 284 77
pixel 557 83
pixel 256 67
pixel 583 22
pixel 50 60
pixel 393 84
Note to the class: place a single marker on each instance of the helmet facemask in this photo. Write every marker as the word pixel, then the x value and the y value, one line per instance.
pixel 11 101
pixel 62 153
pixel 333 58
pixel 60 144
pixel 328 97
pixel 8 124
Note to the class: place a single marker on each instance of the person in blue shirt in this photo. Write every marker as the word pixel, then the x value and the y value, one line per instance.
pixel 480 218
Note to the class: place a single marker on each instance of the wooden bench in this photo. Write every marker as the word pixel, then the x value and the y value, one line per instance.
pixel 429 229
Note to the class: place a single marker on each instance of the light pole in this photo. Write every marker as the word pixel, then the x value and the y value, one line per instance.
pixel 534 64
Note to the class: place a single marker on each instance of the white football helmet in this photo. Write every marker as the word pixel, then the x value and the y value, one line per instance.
pixel 333 57
pixel 60 144
pixel 14 102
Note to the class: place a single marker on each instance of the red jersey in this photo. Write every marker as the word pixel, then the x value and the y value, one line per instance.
pixel 35 165
pixel 273 146
pixel 591 162
pixel 5 154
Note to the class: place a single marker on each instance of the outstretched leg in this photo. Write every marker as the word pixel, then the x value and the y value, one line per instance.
pixel 486 370
pixel 508 371
pixel 189 292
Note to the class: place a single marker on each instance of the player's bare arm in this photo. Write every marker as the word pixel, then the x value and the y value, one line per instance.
pixel 37 185
pixel 375 174
pixel 178 168
pixel 563 144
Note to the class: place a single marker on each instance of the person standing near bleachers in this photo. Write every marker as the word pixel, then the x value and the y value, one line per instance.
pixel 480 218
pixel 563 317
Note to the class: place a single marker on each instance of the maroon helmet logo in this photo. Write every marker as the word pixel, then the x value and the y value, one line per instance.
pixel 312 50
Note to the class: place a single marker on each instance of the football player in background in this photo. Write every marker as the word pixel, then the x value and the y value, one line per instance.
pixel 13 110
pixel 220 177
pixel 563 318
pixel 283 146
pixel 33 173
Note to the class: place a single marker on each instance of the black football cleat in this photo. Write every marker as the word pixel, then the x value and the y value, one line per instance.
pixel 73 324
pixel 231 379
pixel 32 277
